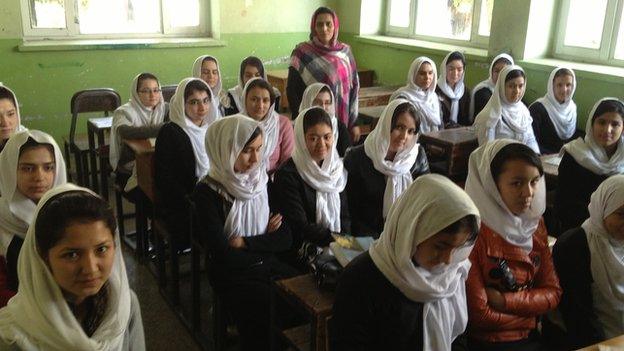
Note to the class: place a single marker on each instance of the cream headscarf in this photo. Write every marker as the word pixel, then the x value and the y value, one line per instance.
pixel 589 154
pixel 430 204
pixel 607 255
pixel 196 134
pixel 307 101
pixel 133 114
pixel 397 172
pixel 329 180
pixel 270 125
pixel 562 115
pixel 225 140
pixel 488 83
pixel 480 185
pixel 16 210
pixel 426 101
pixel 219 97
pixel 39 318
pixel 453 94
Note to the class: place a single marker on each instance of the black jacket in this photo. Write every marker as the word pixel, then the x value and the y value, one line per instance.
pixel 463 116
pixel 481 98
pixel 366 187
pixel 296 201
pixel 295 87
pixel 544 130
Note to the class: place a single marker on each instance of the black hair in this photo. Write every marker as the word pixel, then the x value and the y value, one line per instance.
pixel 513 74
pixel 514 151
pixel 563 72
pixel 402 108
pixel 325 89
pixel 6 94
pixel 196 85
pixel 319 11
pixel 251 61
pixel 209 58
pixel 261 83
pixel 607 106
pixel 468 222
pixel 32 143
pixel 257 132
pixel 456 55
pixel 315 116
pixel 145 76
pixel 501 59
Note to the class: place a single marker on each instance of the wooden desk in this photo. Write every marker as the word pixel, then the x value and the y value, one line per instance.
pixel 303 293
pixel 99 126
pixel 370 115
pixel 456 145
pixel 616 343
pixel 375 96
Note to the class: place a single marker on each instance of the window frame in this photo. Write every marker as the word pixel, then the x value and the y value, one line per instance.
pixel 476 40
pixel 72 30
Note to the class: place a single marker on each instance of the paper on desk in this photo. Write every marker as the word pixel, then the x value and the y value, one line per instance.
pixel 152 142
pixel 555 161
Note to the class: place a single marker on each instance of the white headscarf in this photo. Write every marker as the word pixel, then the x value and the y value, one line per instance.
pixel 133 114
pixel 480 185
pixel 589 154
pixel 453 94
pixel 219 97
pixel 307 101
pixel 432 203
pixel 488 83
pixel 329 180
pixel 196 134
pixel 270 125
pixel 562 115
pixel 16 210
pixel 237 91
pixel 426 101
pixel 607 254
pixel 397 172
pixel 20 127
pixel 225 140
pixel 514 117
pixel 38 318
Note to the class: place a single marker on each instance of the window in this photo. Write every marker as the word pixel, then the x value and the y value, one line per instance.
pixel 591 31
pixel 113 18
pixel 453 21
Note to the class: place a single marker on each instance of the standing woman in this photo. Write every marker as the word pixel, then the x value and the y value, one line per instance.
pixel 30 164
pixel 420 91
pixel 453 93
pixel 279 136
pixel 408 291
pixel 554 114
pixel 74 292
pixel 180 158
pixel 240 227
pixel 10 121
pixel 140 118
pixel 319 94
pixel 206 68
pixel 251 67
pixel 588 161
pixel 310 187
pixel 383 167
pixel 483 91
pixel 324 59
pixel 505 116
pixel 512 280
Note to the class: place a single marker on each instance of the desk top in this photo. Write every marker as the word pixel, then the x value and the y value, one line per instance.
pixel 377 90
pixel 304 290
pixel 373 112
pixel 101 122
pixel 140 146
pixel 614 344
pixel 452 136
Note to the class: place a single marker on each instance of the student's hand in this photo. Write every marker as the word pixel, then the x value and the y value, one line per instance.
pixel 275 221
pixel 496 300
pixel 237 242
pixel 356 133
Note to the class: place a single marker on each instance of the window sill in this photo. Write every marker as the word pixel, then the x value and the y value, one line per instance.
pixel 422 46
pixel 582 70
pixel 107 44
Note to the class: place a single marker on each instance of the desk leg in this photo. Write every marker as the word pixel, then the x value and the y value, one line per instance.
pixel 141 226
pixel 93 162
pixel 317 334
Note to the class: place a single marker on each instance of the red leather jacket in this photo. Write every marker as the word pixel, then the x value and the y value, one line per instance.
pixel 519 315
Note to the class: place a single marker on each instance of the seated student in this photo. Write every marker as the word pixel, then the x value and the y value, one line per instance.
pixel 554 114
pixel 512 280
pixel 251 67
pixel 242 231
pixel 180 158
pixel 74 292
pixel 279 139
pixel 140 118
pixel 10 121
pixel 383 167
pixel 483 91
pixel 505 116
pixel 454 95
pixel 407 292
pixel 420 91
pixel 206 68
pixel 309 187
pixel 319 94
pixel 589 264
pixel 588 161
pixel 30 164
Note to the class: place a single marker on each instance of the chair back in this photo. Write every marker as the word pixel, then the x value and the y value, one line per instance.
pixel 168 91
pixel 92 100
